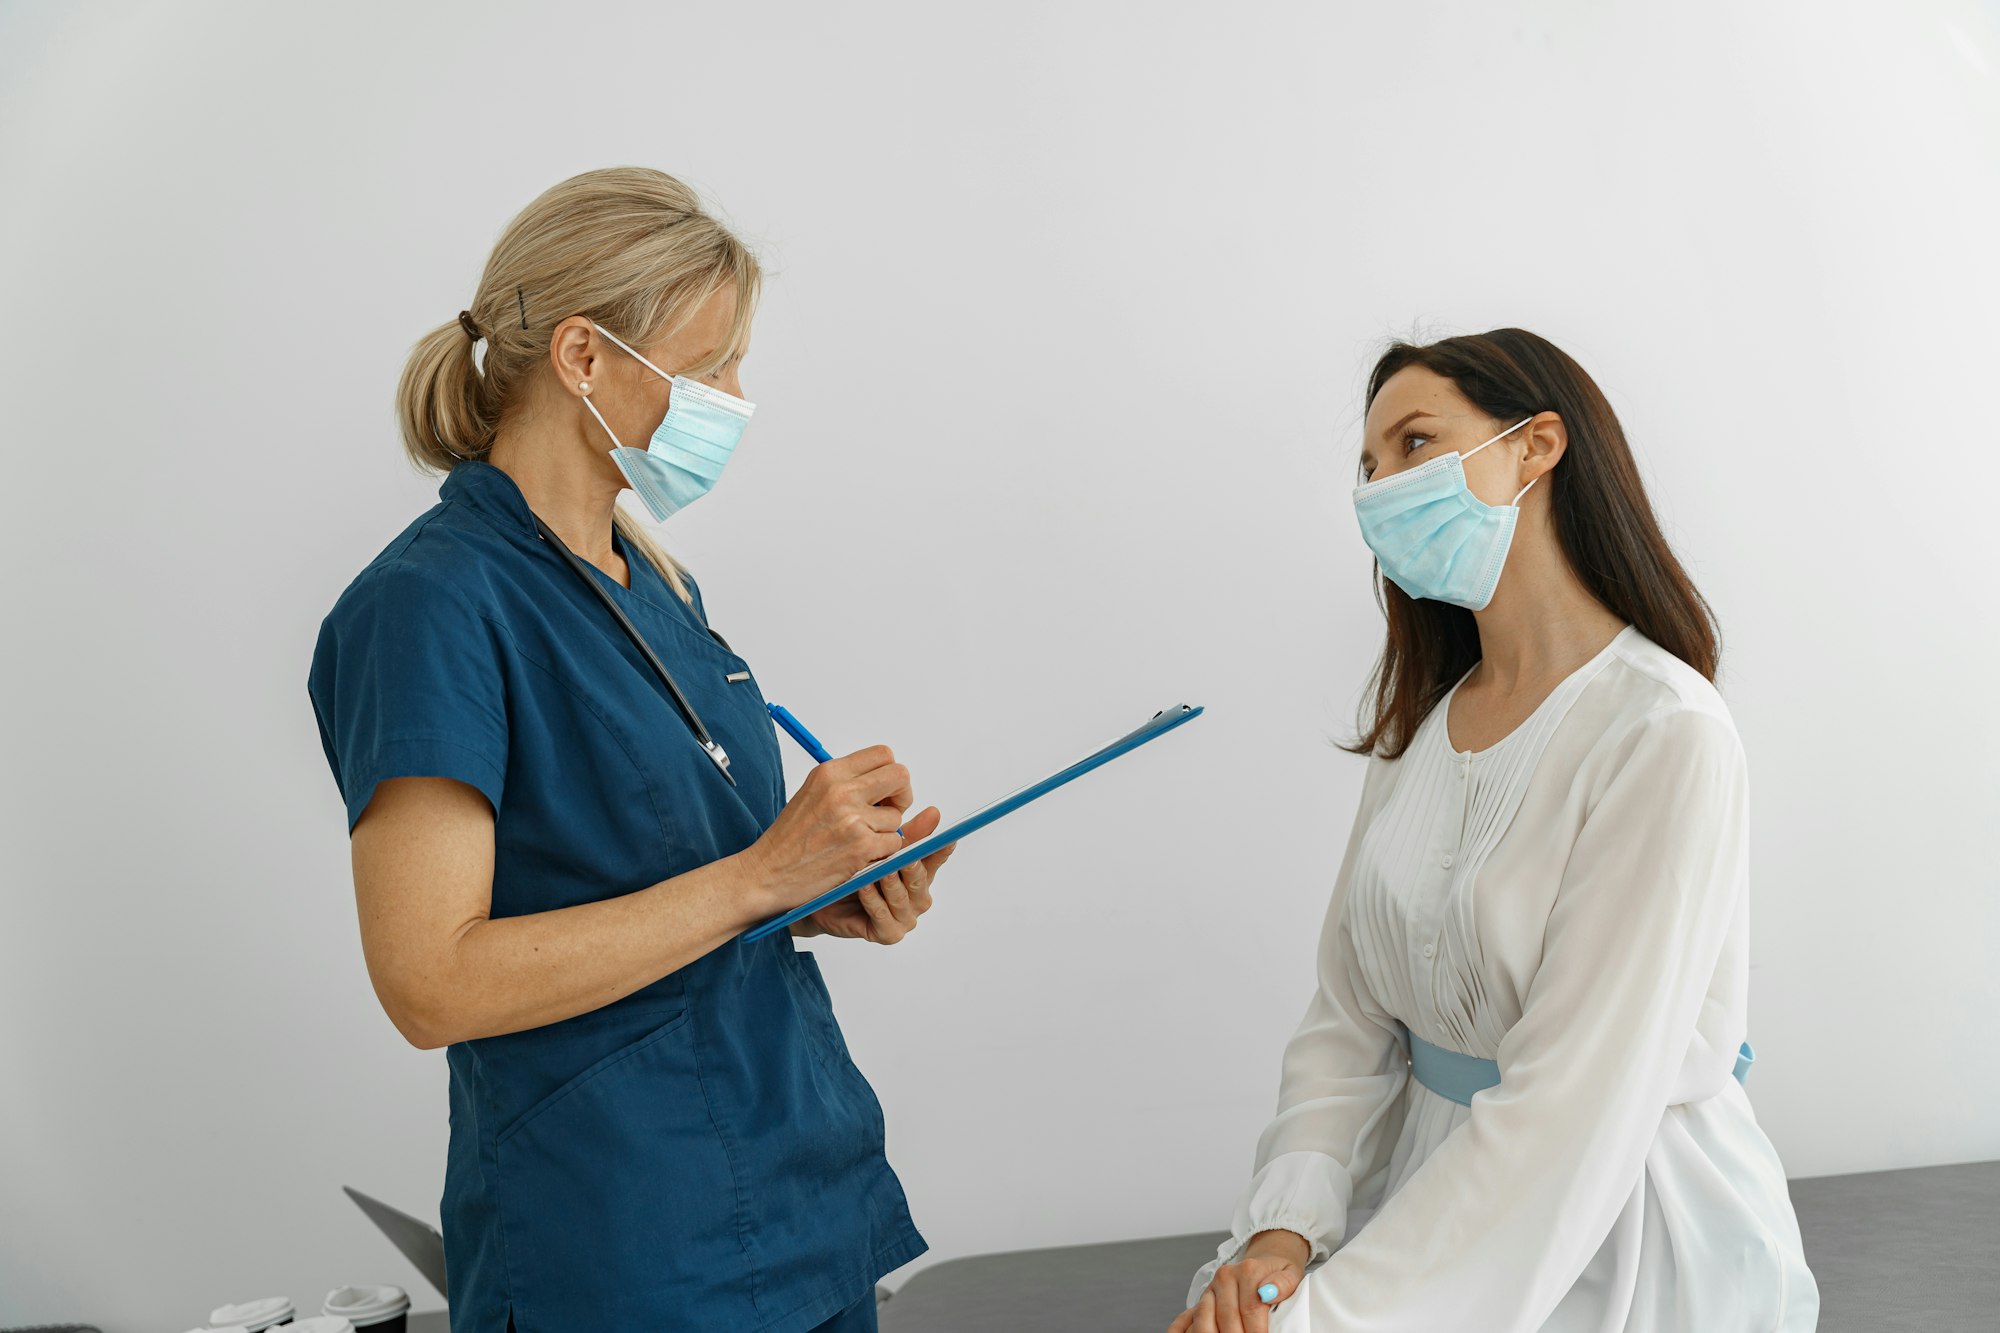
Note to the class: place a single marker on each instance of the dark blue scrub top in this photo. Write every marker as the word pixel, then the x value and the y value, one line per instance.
pixel 701 1154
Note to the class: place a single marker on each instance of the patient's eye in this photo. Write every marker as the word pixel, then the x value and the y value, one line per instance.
pixel 1368 469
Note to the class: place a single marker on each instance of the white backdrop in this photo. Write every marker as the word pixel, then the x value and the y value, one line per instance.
pixel 1059 380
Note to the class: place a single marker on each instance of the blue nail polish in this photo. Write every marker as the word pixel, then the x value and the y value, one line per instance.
pixel 1268 1292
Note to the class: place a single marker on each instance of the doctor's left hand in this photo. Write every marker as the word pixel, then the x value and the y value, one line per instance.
pixel 887 910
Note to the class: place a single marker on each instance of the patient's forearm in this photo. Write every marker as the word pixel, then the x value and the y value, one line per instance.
pixel 1279 1245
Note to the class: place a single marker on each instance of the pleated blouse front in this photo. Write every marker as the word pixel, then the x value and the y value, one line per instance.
pixel 1570 902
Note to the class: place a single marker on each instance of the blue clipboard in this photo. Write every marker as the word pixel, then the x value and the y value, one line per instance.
pixel 1156 726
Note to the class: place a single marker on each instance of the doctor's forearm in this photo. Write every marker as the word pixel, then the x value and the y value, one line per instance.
pixel 513 973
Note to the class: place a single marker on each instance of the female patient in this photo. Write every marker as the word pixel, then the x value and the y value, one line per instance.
pixel 1514 1101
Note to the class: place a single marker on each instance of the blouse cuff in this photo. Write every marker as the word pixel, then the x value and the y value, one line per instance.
pixel 1305 1192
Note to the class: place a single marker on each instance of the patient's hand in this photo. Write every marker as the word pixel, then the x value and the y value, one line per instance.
pixel 1231 1303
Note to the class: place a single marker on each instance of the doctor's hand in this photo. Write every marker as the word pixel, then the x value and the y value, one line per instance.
pixel 843 816
pixel 1231 1303
pixel 887 910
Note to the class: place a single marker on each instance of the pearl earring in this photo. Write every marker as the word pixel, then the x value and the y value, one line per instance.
pixel 583 386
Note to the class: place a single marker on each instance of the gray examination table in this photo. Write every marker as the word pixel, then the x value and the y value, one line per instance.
pixel 1892 1250
pixel 1915 1249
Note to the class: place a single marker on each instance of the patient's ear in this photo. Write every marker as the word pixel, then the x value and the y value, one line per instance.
pixel 1546 439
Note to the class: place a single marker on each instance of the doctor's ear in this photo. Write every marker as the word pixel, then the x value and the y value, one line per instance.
pixel 571 355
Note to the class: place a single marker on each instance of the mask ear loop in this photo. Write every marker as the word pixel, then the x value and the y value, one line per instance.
pixel 622 343
pixel 1501 436
pixel 607 425
pixel 636 356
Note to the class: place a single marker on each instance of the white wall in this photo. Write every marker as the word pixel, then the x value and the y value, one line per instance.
pixel 1062 359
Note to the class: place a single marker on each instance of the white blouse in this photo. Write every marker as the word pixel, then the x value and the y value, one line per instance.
pixel 1571 903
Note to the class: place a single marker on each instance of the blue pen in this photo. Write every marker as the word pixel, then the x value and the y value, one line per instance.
pixel 797 731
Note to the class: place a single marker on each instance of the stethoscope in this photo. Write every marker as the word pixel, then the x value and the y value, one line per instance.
pixel 707 742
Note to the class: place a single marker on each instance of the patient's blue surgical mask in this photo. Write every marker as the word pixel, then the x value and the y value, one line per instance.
pixel 686 455
pixel 1434 537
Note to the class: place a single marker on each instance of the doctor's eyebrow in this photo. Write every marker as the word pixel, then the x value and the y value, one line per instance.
pixel 1390 433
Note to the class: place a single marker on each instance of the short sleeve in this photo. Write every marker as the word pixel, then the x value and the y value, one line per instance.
pixel 407 680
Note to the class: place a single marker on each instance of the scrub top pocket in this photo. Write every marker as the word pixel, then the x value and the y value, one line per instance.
pixel 624 1052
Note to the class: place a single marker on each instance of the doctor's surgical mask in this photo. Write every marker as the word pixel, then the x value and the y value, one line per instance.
pixel 685 457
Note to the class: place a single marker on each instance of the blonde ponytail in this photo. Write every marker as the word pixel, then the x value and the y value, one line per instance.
pixel 437 401
pixel 629 247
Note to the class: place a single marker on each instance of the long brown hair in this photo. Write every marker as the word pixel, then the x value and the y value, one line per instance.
pixel 1602 518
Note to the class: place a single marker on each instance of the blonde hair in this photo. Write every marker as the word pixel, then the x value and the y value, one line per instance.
pixel 629 247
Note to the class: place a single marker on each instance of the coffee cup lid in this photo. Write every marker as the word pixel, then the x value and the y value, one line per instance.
pixel 252 1315
pixel 321 1323
pixel 366 1305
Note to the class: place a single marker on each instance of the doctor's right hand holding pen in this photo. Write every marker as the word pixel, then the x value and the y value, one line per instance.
pixel 1240 1295
pixel 846 814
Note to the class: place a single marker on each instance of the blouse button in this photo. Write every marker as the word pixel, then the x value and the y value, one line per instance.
pixel 1429 949
pixel 1445 860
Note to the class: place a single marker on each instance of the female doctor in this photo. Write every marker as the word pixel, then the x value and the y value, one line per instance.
pixel 1514 1101
pixel 555 844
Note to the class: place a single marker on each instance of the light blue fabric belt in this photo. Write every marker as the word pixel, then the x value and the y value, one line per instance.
pixel 1456 1076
